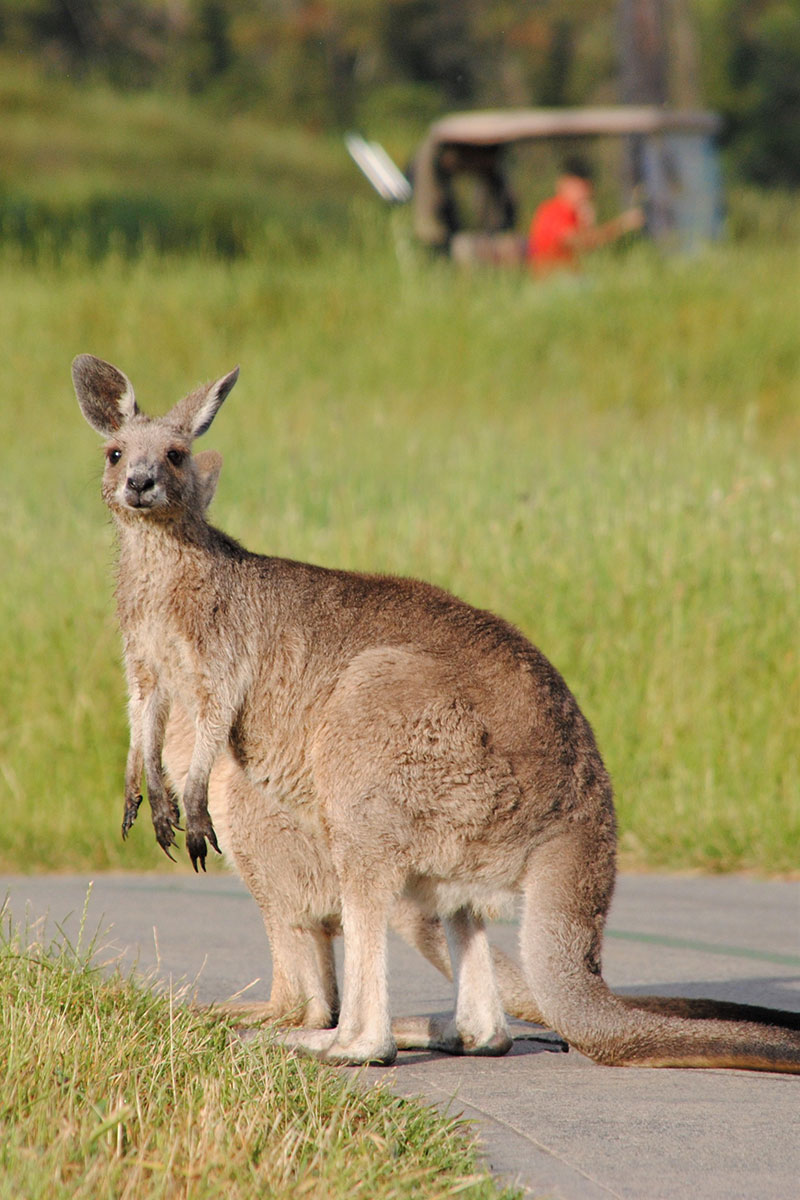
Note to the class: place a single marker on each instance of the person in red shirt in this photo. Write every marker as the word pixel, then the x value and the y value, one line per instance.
pixel 566 225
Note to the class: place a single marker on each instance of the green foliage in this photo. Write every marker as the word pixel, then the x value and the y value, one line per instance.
pixel 765 131
pixel 333 63
pixel 125 224
pixel 107 1090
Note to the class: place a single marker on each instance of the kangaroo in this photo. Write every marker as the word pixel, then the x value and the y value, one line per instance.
pixel 291 876
pixel 432 749
pixel 292 879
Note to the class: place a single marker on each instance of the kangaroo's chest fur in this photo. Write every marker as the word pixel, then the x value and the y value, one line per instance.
pixel 174 608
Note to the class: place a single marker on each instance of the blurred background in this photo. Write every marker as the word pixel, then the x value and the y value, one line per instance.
pixel 607 458
pixel 108 108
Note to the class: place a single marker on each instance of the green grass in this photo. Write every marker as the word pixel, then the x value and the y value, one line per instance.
pixel 95 169
pixel 609 462
pixel 107 1090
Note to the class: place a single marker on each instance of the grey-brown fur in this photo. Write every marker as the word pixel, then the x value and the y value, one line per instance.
pixel 429 749
pixel 290 874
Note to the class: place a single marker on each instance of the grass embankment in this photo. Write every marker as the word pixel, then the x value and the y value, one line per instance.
pixel 109 1091
pixel 607 462
pixel 94 169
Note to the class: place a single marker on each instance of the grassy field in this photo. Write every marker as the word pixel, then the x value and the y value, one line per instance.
pixel 609 462
pixel 109 1091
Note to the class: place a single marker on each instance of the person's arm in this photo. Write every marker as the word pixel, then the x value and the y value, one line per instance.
pixel 591 237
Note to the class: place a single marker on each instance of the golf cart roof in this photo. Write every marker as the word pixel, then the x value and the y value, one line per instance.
pixel 501 126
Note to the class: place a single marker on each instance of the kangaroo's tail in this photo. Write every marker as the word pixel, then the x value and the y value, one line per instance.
pixel 566 898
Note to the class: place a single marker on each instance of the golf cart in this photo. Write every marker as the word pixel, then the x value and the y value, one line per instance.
pixel 667 161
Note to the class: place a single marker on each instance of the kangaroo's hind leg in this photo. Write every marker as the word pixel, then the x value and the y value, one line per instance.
pixel 478 1026
pixel 364 1033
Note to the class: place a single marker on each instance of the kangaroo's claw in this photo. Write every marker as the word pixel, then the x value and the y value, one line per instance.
pixel 132 804
pixel 196 841
pixel 165 832
pixel 196 845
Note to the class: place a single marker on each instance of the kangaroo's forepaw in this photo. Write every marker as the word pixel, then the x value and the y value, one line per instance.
pixel 165 815
pixel 132 806
pixel 165 832
pixel 196 835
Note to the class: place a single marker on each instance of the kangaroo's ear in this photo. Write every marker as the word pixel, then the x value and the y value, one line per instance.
pixel 195 412
pixel 208 464
pixel 104 394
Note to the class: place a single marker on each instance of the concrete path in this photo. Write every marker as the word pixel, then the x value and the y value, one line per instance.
pixel 554 1122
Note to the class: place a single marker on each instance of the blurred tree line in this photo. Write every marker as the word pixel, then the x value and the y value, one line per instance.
pixel 334 63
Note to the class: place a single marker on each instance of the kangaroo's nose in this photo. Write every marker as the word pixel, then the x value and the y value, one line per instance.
pixel 140 481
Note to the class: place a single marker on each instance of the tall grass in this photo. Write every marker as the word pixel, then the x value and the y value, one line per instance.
pixel 608 462
pixel 109 1091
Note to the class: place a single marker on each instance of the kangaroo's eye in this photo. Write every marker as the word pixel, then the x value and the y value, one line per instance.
pixel 176 457
pixel 114 456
